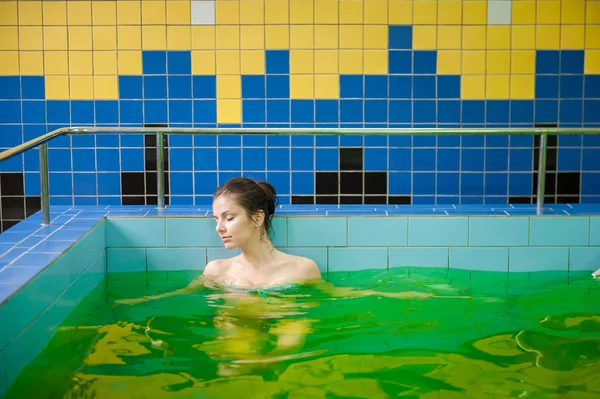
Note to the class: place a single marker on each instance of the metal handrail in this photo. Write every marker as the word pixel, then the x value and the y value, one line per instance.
pixel 42 142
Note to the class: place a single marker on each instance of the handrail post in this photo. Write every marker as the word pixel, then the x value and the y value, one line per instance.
pixel 541 186
pixel 160 170
pixel 44 189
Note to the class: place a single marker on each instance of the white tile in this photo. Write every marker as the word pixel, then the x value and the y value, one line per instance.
pixel 203 12
pixel 499 12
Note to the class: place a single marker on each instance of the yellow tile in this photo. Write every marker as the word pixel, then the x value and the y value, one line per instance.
pixel 31 62
pixel 573 12
pixel 30 13
pixel 449 12
pixel 56 63
pixel 30 38
pixel 376 11
pixel 203 37
pixel 9 63
pixel 326 61
pixel 276 12
pixel 9 38
pixel 228 37
pixel 80 38
pixel 472 87
pixel 376 36
pixel 302 61
pixel 178 13
pixel 81 87
pixel 302 86
pixel 229 111
pixel 79 13
pixel 57 87
pixel 522 61
pixel 129 12
pixel 376 62
pixel 55 38
pixel 253 62
pixel 523 12
pixel 301 12
pixel 228 62
pixel 474 37
pixel 104 12
pixel 252 12
pixel 227 12
pixel 449 37
pixel 498 37
pixel 8 13
pixel 497 87
pixel 548 12
pixel 572 37
pixel 105 63
pixel 351 36
pixel 129 37
pixel 229 86
pixel 105 37
pixel 106 88
pixel 448 62
pixel 424 37
pixel 475 12
pixel 351 62
pixel 252 37
pixel 523 37
pixel 327 86
pixel 425 13
pixel 473 62
pixel 592 37
pixel 547 37
pixel 498 62
pixel 326 12
pixel 80 63
pixel 592 62
pixel 154 37
pixel 153 12
pixel 129 62
pixel 351 12
pixel 54 12
pixel 277 37
pixel 203 62
pixel 302 36
pixel 522 87
pixel 326 36
pixel 592 12
pixel 400 12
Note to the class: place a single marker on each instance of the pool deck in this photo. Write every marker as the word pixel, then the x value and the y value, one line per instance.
pixel 28 247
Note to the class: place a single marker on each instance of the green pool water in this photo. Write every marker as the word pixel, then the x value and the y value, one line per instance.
pixel 430 333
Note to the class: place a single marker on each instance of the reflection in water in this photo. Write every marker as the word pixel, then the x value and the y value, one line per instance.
pixel 481 340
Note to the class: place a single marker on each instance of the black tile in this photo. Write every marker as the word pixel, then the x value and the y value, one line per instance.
pixel 351 183
pixel 150 159
pixel 375 182
pixel 548 199
pixel 350 199
pixel 13 208
pixel 550 185
pixel 132 183
pixel 303 199
pixel 327 200
pixel 150 139
pixel 7 224
pixel 375 199
pixel 151 183
pixel 153 200
pixel 327 183
pixel 400 200
pixel 139 200
pixel 32 205
pixel 11 183
pixel 569 199
pixel 568 183
pixel 351 159
pixel 520 200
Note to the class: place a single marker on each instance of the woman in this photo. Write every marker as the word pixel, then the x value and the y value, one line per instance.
pixel 596 273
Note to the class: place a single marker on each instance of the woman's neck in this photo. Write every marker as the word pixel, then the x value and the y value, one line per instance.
pixel 259 255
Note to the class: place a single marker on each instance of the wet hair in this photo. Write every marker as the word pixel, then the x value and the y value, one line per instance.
pixel 251 195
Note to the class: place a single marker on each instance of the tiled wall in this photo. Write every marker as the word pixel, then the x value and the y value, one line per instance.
pixel 300 63
pixel 515 244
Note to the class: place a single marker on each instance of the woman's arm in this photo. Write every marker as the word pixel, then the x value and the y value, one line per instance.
pixel 596 273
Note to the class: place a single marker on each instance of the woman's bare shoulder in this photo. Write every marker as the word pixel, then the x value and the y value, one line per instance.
pixel 305 267
pixel 217 267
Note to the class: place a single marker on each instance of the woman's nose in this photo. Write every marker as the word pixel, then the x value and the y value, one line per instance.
pixel 219 227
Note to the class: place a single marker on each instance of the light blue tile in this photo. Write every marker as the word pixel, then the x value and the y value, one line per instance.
pixel 49 246
pixel 499 232
pixel 20 311
pixel 87 249
pixel 377 232
pixel 421 257
pixel 36 260
pixel 535 259
pixel 584 258
pixel 317 232
pixel 349 259
pixel 176 259
pixel 135 232
pixel 120 260
pixel 595 231
pixel 318 255
pixel 487 259
pixel 559 231
pixel 221 253
pixel 192 232
pixel 66 235
pixel 279 235
pixel 3 367
pixel 438 232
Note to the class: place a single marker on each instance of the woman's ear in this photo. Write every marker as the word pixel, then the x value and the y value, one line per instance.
pixel 259 218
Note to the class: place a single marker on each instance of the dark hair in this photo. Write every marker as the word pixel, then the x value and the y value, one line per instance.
pixel 252 195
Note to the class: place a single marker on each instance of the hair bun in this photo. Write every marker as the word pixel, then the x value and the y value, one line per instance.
pixel 271 193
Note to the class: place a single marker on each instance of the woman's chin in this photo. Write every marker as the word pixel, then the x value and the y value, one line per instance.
pixel 229 245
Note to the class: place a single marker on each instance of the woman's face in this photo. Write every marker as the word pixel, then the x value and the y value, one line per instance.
pixel 234 226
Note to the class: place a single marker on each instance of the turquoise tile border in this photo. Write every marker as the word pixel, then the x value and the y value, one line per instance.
pixel 176 259
pixel 488 259
pixel 594 230
pixel 584 258
pixel 192 232
pixel 348 259
pixel 499 232
pixel 419 257
pixel 123 260
pixel 279 235
pixel 535 259
pixel 317 232
pixel 559 231
pixel 377 232
pixel 438 232
pixel 135 232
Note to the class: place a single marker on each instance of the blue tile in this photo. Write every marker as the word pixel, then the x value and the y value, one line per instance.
pixel 125 260
pixel 254 159
pixel 472 160
pixel 108 160
pixel 519 183
pixel 547 61
pixel 180 86
pixel 521 111
pixel 82 111
pixel 277 61
pixel 84 184
pixel 423 183
pixel 424 111
pixel 571 111
pixel 496 160
pixel 229 159
pixel 534 259
pixel 303 110
pixel 84 160
pixel 571 61
pixel 205 111
pixel 107 111
pixel 35 260
pixel 438 231
pixel 12 135
pixel 351 86
pixel 130 87
pixel 424 159
pixel 181 183
pixel 11 87
pixel 355 259
pixel 33 87
pixel 132 159
pixel 326 111
pixel 471 184
pixel 58 111
pixel 521 159
pixel 473 111
pixel 592 86
pixel 278 86
pixel 135 232
pixel 448 159
pixel 400 36
pixel 279 180
pixel 569 159
pixel 155 111
pixel 497 111
pixel 447 183
pixel 448 111
pixel 400 86
pixel 400 111
pixel 448 86
pixel 35 112
pixel 60 184
pixel 400 61
pixel 485 259
pixel 154 62
pixel 376 110
pixel 181 158
pixel 179 62
pixel 571 86
pixel 546 111
pixel 590 111
pixel 418 257
pixel 205 159
pixel 278 110
pixel 131 111
pixel 303 158
pixel 327 159
pixel 303 183
pixel 375 159
pixel 205 86
pixel 205 183
pixel 550 231
pixel 180 111
pixel 253 86
pixel 278 159
pixel 546 86
pixel 425 62
pixel 376 86
pixel 59 160
pixel 155 87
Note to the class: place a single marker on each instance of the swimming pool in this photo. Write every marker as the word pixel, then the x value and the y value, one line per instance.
pixel 494 320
